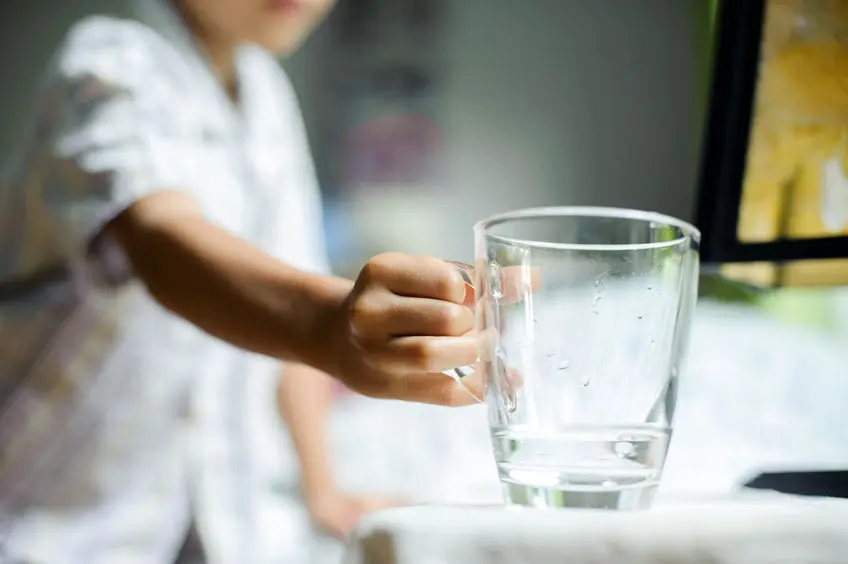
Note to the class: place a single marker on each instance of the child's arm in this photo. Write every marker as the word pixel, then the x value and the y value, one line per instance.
pixel 387 335
pixel 304 401
pixel 223 284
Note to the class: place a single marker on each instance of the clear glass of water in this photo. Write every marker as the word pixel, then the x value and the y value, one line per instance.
pixel 584 315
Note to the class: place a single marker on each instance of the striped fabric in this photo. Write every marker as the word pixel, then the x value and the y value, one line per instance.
pixel 119 423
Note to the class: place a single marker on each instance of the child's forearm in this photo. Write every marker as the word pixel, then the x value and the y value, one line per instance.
pixel 388 335
pixel 223 284
pixel 304 400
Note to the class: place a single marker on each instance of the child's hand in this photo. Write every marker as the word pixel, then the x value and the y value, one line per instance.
pixel 404 322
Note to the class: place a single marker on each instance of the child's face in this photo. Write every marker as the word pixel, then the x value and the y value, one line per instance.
pixel 277 25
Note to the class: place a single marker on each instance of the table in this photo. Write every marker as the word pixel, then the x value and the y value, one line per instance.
pixel 744 528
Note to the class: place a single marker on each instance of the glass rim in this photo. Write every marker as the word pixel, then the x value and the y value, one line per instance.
pixel 690 232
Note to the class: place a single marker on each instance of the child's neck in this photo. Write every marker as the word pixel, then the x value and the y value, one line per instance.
pixel 219 51
pixel 221 57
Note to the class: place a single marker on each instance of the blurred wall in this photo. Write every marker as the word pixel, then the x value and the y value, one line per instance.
pixel 30 30
pixel 573 102
pixel 552 102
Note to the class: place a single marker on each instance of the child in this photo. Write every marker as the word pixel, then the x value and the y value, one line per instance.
pixel 161 228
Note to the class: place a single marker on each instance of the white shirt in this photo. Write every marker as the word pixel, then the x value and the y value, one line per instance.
pixel 107 402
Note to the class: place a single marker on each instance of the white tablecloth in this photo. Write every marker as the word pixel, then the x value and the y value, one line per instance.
pixel 758 395
pixel 755 528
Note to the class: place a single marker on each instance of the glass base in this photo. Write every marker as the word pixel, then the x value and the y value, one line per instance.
pixel 623 499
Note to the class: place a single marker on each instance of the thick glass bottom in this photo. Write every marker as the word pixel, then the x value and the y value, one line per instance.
pixel 621 499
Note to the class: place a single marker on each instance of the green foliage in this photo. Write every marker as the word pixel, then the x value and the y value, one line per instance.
pixel 721 289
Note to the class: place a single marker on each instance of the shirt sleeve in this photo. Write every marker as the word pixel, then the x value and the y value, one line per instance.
pixel 315 257
pixel 111 139
pixel 318 261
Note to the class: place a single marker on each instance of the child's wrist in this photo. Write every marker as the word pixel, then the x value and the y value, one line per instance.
pixel 328 298
pixel 316 492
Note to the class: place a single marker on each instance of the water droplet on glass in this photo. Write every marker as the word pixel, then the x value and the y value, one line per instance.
pixel 563 365
pixel 640 316
pixel 650 288
pixel 652 340
pixel 624 449
pixel 585 382
pixel 549 355
pixel 599 283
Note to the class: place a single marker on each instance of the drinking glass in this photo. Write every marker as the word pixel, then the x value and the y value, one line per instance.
pixel 584 317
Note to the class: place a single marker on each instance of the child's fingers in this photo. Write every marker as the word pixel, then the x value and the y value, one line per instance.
pixel 439 389
pixel 414 277
pixel 421 355
pixel 383 315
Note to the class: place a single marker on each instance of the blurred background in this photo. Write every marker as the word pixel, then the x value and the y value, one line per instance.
pixel 427 115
